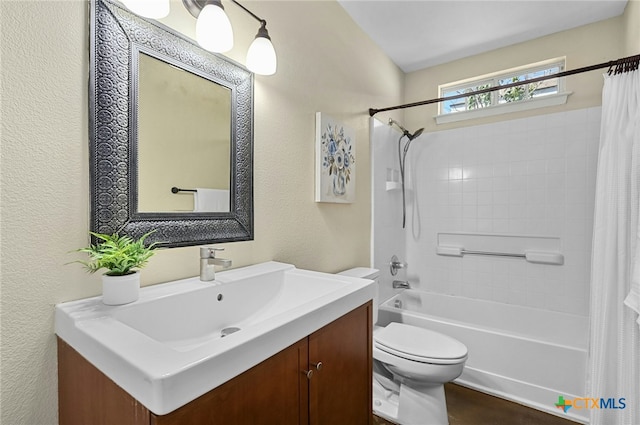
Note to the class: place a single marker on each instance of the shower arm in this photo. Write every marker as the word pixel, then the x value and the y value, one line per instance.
pixel 392 121
pixel 405 132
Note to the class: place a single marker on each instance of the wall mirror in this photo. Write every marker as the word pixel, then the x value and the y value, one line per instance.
pixel 171 134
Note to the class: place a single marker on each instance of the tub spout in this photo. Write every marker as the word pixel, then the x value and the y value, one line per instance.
pixel 401 284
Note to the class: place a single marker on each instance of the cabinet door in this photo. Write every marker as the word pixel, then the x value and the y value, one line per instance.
pixel 340 392
pixel 87 396
pixel 273 392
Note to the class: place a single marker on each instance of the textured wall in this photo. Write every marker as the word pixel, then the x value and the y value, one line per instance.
pixel 325 64
pixel 44 194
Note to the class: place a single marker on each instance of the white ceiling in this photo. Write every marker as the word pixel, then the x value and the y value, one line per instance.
pixel 422 33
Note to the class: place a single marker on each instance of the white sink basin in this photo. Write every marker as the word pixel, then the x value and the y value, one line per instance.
pixel 167 349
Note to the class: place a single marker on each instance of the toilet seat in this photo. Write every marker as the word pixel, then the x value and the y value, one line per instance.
pixel 418 344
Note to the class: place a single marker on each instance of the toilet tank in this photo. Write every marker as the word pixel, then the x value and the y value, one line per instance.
pixel 367 273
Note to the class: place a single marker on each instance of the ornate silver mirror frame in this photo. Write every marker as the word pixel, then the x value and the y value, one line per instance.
pixel 117 36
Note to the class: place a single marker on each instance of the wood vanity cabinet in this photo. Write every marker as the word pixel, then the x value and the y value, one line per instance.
pixel 277 391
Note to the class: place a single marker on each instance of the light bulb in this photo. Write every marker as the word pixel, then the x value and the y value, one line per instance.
pixel 261 57
pixel 154 9
pixel 213 29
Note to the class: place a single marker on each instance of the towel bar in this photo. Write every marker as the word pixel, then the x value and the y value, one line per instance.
pixel 177 189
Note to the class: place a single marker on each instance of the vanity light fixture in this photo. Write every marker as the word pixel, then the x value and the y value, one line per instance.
pixel 214 33
pixel 154 9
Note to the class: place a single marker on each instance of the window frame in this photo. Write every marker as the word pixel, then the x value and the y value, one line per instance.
pixel 497 107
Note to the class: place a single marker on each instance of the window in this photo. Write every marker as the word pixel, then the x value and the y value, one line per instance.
pixel 503 100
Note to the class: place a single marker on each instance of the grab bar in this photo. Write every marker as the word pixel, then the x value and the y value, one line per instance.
pixel 530 256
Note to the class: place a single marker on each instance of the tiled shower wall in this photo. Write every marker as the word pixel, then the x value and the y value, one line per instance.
pixel 531 176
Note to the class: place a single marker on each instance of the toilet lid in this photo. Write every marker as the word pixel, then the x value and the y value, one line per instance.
pixel 418 344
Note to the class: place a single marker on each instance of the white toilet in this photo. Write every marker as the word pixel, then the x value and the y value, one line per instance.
pixel 411 366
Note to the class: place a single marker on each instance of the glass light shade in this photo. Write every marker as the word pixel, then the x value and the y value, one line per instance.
pixel 213 29
pixel 261 57
pixel 154 9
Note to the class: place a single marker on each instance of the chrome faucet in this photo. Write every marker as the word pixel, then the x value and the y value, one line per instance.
pixel 208 261
pixel 401 284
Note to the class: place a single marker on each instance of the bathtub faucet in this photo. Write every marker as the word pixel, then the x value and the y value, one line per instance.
pixel 208 261
pixel 401 284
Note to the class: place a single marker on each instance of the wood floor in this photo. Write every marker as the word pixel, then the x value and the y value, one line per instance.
pixel 469 407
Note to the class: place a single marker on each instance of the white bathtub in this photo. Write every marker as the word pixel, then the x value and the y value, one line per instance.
pixel 522 354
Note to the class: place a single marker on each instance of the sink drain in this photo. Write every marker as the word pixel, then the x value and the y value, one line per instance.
pixel 228 331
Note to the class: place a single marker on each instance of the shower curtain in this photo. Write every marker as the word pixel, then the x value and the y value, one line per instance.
pixel 614 356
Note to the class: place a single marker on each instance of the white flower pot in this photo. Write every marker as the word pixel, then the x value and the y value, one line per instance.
pixel 117 290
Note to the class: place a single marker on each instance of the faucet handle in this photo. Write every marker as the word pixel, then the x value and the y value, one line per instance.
pixel 209 251
pixel 395 265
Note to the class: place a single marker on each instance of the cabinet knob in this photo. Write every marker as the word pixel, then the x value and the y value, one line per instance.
pixel 318 365
pixel 308 373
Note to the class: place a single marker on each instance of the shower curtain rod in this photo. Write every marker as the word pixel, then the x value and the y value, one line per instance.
pixel 630 63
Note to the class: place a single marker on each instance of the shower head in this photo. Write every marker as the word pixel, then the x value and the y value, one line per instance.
pixel 414 135
pixel 405 132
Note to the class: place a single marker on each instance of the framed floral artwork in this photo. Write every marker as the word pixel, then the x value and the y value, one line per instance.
pixel 335 161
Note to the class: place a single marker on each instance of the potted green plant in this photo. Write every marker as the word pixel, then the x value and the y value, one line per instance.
pixel 122 256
